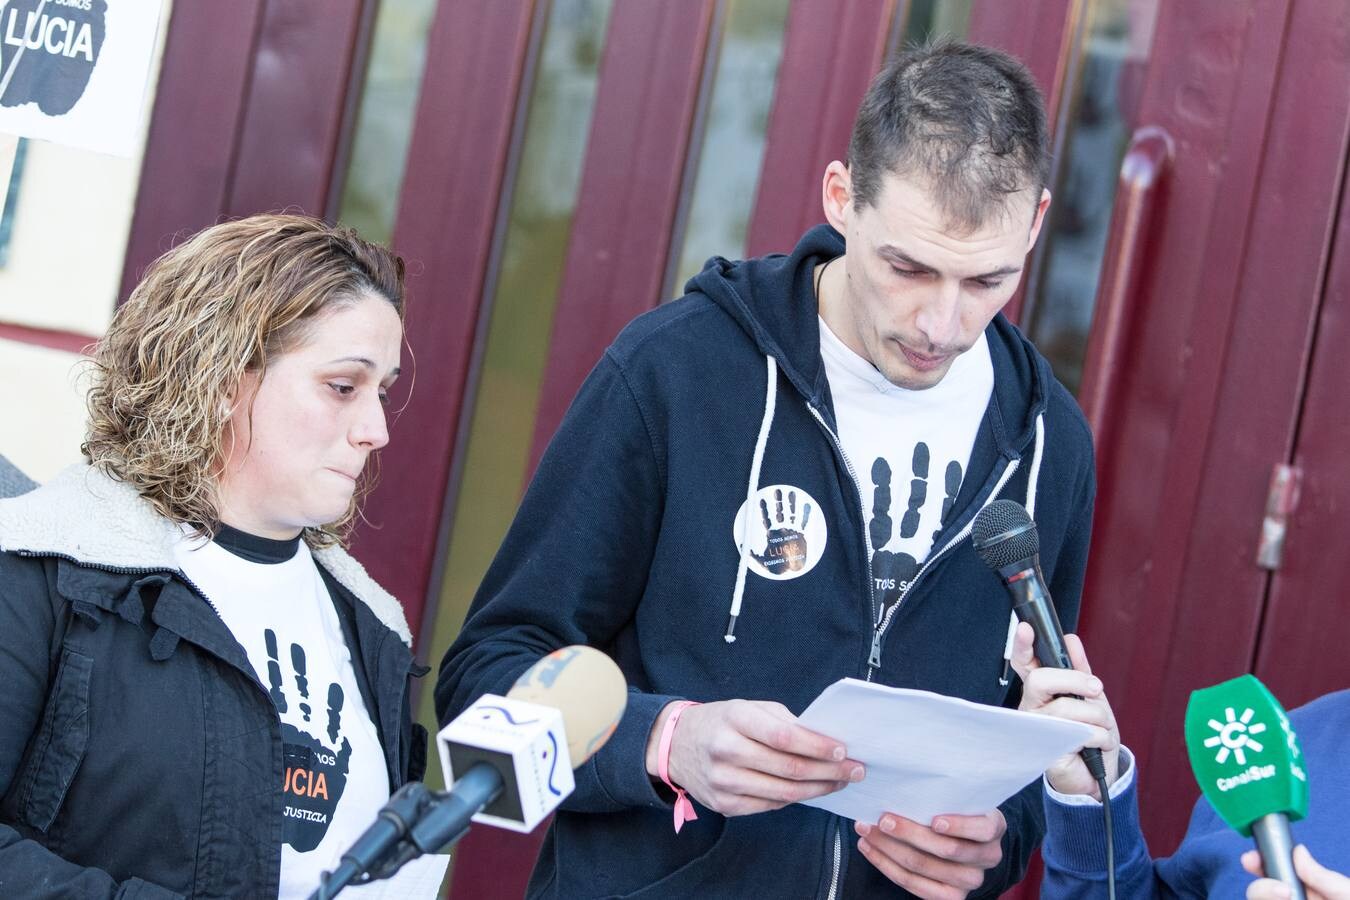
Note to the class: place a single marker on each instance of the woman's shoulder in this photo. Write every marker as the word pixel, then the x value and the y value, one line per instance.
pixel 353 576
pixel 84 515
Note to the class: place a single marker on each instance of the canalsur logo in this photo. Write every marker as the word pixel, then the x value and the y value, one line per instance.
pixel 1235 736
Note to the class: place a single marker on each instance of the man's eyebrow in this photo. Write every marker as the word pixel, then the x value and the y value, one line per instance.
pixel 895 254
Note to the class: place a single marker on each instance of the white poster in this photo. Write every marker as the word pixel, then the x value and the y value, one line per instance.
pixel 74 71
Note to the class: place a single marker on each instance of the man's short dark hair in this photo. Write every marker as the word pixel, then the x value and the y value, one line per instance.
pixel 968 120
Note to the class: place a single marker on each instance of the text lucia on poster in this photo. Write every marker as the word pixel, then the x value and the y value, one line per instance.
pixel 75 72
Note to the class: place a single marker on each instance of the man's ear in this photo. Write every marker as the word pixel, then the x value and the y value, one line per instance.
pixel 1039 220
pixel 836 195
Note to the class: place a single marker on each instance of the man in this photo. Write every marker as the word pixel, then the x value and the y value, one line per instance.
pixel 1212 857
pixel 767 485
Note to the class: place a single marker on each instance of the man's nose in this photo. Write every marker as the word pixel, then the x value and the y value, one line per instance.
pixel 939 318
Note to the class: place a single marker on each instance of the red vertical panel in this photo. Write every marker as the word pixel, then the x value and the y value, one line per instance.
pixel 1303 643
pixel 456 165
pixel 620 239
pixel 621 233
pixel 831 50
pixel 1038 32
pixel 1216 353
pixel 199 105
pixel 1041 34
pixel 294 110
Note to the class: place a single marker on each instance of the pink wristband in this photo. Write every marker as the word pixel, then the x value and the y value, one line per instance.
pixel 684 809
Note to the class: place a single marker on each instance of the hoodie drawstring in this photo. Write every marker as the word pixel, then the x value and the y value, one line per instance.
pixel 1033 480
pixel 770 402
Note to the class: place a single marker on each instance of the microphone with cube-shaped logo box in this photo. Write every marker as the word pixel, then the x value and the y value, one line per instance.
pixel 1246 758
pixel 508 760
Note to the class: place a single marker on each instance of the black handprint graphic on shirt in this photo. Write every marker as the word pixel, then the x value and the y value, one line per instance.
pixel 953 486
pixel 785 544
pixel 316 773
pixel 892 572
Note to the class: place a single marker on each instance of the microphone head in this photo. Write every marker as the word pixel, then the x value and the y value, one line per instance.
pixel 586 686
pixel 1003 534
pixel 1244 753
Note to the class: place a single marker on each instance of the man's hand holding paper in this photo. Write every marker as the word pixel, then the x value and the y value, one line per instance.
pixel 937 769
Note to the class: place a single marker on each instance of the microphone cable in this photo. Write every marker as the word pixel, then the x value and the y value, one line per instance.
pixel 1110 838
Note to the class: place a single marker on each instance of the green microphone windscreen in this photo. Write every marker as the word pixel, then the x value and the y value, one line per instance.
pixel 1244 753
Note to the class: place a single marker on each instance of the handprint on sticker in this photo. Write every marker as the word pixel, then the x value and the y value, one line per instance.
pixel 785 538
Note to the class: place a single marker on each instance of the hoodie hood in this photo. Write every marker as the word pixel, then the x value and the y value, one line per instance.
pixel 772 298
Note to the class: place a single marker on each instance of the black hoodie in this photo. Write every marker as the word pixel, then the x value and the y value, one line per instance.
pixel 624 541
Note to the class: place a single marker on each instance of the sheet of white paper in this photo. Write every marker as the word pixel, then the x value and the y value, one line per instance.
pixel 418 880
pixel 927 754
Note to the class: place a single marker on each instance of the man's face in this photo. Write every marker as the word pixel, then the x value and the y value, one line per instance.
pixel 917 293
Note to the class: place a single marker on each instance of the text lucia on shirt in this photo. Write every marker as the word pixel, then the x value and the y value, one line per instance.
pixel 307 783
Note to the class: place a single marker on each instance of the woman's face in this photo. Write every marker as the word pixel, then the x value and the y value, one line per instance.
pixel 301 435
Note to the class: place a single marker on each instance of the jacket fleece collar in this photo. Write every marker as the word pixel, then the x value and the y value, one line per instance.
pixel 95 520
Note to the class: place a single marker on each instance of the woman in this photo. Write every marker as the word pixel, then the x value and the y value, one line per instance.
pixel 204 695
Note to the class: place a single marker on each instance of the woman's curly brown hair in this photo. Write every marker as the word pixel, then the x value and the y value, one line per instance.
pixel 217 306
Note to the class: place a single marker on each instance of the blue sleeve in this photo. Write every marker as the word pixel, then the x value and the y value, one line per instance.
pixel 1205 864
pixel 1075 851
pixel 28 620
pixel 572 570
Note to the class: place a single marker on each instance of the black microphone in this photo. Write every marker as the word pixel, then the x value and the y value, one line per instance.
pixel 1006 539
pixel 407 805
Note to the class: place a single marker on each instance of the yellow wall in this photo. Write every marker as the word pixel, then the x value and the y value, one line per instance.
pixel 41 410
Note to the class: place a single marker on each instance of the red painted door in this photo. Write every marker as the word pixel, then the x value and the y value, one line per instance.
pixel 1302 648
pixel 1203 354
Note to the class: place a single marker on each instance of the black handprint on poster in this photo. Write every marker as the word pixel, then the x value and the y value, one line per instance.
pixel 316 772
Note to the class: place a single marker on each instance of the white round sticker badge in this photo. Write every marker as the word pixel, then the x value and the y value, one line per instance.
pixel 787 532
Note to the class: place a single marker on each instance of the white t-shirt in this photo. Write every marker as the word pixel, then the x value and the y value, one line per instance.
pixel 336 780
pixel 909 449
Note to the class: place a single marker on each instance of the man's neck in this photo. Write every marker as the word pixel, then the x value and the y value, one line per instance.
pixel 831 281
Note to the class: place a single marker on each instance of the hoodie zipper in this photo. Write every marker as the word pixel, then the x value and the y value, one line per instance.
pixel 862 511
pixel 874 661
pixel 879 628
pixel 838 854
pixel 871 600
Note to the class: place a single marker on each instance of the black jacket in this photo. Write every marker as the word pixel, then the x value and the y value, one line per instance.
pixel 625 541
pixel 139 754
